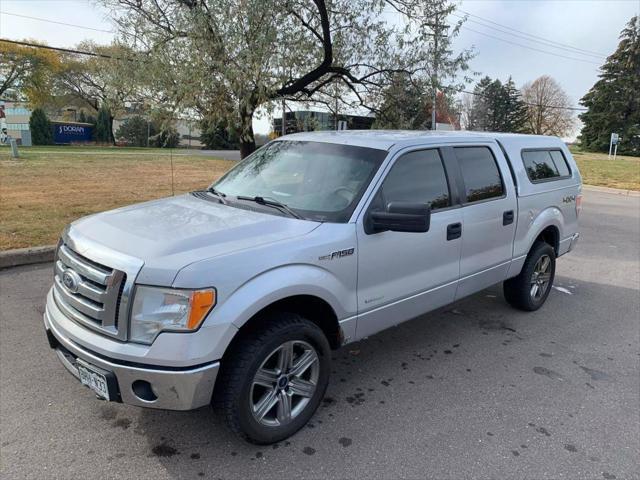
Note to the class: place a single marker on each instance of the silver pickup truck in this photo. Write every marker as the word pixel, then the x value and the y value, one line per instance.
pixel 235 296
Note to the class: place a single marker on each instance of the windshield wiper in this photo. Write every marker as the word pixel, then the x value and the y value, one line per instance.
pixel 271 202
pixel 218 194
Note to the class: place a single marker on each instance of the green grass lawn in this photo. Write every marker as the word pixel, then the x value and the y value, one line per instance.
pixel 596 169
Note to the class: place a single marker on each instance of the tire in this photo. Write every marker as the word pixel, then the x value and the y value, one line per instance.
pixel 246 400
pixel 530 289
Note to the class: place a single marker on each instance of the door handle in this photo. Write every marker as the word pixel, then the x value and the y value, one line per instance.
pixel 454 231
pixel 507 217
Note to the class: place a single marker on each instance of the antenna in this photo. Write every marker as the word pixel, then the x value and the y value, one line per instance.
pixel 173 193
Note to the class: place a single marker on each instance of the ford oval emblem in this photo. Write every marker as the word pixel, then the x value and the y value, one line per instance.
pixel 71 280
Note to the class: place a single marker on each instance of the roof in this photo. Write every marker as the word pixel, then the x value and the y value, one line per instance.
pixel 385 139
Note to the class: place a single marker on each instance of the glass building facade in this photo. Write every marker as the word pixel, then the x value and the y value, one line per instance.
pixel 309 120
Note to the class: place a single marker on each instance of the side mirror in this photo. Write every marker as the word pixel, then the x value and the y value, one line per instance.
pixel 400 217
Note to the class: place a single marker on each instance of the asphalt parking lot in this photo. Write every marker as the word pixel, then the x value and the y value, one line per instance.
pixel 475 390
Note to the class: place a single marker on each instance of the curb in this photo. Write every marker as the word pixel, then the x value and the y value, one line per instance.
pixel 26 256
pixel 613 191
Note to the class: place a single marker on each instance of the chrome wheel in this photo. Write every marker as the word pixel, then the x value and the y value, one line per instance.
pixel 285 383
pixel 540 278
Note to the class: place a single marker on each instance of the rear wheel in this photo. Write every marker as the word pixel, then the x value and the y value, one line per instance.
pixel 530 289
pixel 274 379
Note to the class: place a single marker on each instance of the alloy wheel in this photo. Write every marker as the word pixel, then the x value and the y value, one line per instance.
pixel 285 383
pixel 540 278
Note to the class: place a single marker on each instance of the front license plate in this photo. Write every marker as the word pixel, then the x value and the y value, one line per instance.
pixel 94 380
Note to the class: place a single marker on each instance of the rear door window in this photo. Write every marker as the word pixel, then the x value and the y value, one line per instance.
pixel 480 173
pixel 545 165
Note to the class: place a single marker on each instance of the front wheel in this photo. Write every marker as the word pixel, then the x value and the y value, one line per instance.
pixel 274 379
pixel 529 290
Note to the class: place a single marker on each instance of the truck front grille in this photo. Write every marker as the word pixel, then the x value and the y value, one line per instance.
pixel 87 292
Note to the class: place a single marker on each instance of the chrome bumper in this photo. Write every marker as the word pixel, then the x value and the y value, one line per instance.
pixel 173 388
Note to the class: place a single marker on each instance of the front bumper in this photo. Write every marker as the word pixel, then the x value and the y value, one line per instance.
pixel 169 388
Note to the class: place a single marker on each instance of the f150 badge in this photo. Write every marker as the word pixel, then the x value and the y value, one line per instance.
pixel 337 254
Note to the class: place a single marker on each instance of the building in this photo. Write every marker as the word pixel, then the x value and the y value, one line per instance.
pixel 17 116
pixel 309 120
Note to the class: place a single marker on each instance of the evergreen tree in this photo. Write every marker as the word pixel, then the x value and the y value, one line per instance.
pixel 497 107
pixel 134 131
pixel 481 113
pixel 516 110
pixel 103 132
pixel 40 127
pixel 614 101
pixel 405 105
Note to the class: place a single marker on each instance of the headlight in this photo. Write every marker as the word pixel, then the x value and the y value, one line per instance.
pixel 157 309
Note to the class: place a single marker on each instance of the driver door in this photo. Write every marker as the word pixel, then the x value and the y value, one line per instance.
pixel 404 274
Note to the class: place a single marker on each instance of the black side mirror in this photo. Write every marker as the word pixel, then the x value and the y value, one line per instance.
pixel 400 217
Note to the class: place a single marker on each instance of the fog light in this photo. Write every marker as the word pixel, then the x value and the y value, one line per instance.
pixel 142 389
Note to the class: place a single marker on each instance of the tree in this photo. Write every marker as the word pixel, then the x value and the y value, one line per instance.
pixel 515 110
pixel 26 73
pixel 481 113
pixel 108 79
pixel 404 105
pixel 168 137
pixel 547 108
pixel 614 101
pixel 134 131
pixel 496 107
pixel 103 131
pixel 217 135
pixel 40 127
pixel 226 59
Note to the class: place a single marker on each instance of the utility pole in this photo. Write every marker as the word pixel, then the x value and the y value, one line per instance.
pixel 437 33
pixel 284 117
pixel 336 109
pixel 434 81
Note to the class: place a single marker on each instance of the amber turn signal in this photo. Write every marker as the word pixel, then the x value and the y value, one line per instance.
pixel 202 301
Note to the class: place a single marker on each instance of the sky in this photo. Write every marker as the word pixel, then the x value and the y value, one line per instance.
pixel 588 25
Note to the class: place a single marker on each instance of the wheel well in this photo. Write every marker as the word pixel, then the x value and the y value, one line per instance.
pixel 310 307
pixel 551 236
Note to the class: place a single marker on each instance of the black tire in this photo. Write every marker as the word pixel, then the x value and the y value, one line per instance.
pixel 518 291
pixel 235 393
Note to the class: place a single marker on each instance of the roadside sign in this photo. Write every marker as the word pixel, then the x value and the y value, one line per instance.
pixel 71 132
pixel 615 140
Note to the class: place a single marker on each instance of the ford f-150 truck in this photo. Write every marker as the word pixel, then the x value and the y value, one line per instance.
pixel 235 295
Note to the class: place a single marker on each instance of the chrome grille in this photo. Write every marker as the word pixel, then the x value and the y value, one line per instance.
pixel 87 292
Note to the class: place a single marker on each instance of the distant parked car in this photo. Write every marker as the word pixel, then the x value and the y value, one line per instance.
pixel 236 295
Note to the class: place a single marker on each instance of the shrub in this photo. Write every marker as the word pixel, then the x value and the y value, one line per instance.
pixel 41 129
pixel 134 130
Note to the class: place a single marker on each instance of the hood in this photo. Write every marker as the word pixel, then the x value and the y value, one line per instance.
pixel 170 233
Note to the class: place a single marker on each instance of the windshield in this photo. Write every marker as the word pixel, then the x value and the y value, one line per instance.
pixel 319 181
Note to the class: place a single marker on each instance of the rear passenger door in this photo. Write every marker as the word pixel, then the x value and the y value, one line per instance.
pixel 404 274
pixel 489 209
